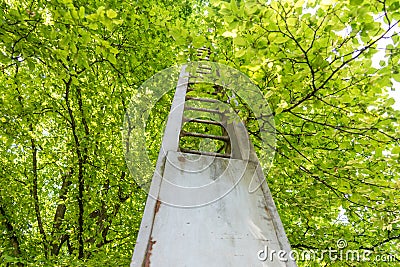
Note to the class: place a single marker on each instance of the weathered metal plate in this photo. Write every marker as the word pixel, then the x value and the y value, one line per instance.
pixel 228 227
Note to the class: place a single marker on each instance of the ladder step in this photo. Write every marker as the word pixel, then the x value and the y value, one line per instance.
pixel 203 109
pixel 204 48
pixel 208 100
pixel 210 136
pixel 204 67
pixel 203 121
pixel 202 72
pixel 204 153
pixel 199 76
pixel 190 89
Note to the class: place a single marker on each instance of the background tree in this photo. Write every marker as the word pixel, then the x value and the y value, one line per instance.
pixel 70 68
pixel 337 133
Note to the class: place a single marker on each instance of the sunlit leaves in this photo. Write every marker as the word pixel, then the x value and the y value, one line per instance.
pixel 334 121
pixel 68 71
pixel 336 128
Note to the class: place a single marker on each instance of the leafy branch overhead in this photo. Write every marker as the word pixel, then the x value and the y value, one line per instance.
pixel 69 69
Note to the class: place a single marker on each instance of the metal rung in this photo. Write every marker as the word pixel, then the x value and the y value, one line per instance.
pixel 196 76
pixel 201 72
pixel 204 153
pixel 189 89
pixel 202 121
pixel 208 100
pixel 205 67
pixel 203 109
pixel 209 136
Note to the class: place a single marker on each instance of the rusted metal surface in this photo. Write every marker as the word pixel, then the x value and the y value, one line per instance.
pixel 148 253
pixel 157 208
pixel 170 142
pixel 229 231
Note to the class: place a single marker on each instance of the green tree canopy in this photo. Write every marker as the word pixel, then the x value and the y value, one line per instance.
pixel 69 69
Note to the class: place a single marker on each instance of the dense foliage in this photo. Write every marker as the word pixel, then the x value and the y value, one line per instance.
pixel 69 69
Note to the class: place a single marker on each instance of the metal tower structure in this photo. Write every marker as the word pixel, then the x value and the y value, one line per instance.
pixel 200 211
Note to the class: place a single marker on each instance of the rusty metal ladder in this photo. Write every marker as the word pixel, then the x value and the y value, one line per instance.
pixel 167 218
pixel 204 54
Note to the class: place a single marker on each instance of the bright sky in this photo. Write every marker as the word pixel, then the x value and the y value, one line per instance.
pixel 381 45
pixel 396 95
pixel 393 92
pixel 380 55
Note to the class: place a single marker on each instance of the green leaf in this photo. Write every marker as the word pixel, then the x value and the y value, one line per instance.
pixel 268 94
pixel 229 34
pixel 111 13
pixel 391 101
pixel 74 14
pixel 114 50
pixel 93 26
pixel 240 53
pixel 280 40
pixel 356 2
pixel 240 41
pixel 112 58
pixel 291 22
pixel 82 12
pixel 396 76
